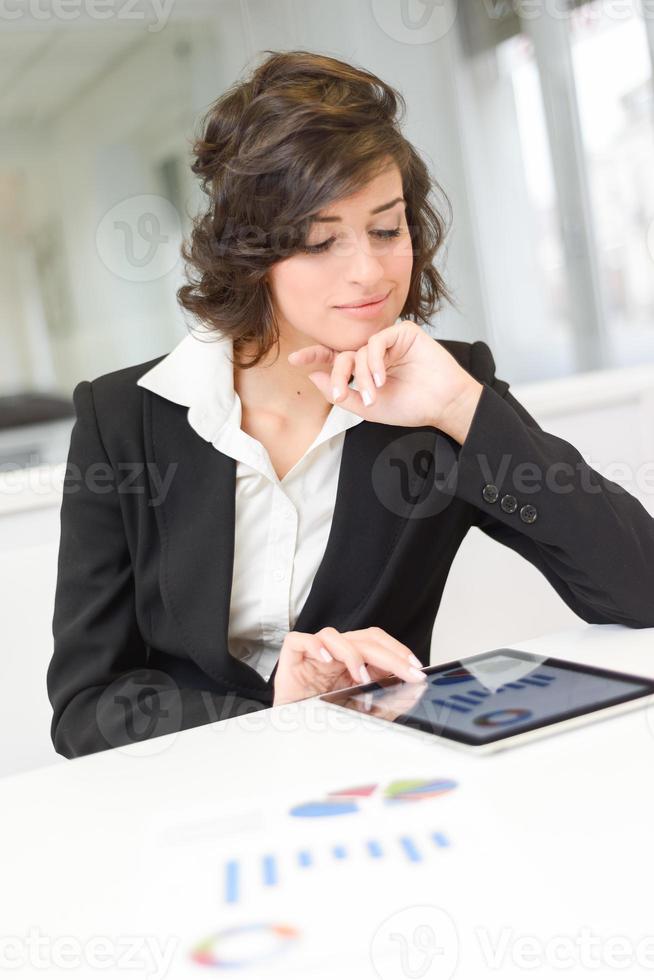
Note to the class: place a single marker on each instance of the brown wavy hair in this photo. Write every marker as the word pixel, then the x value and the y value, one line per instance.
pixel 302 131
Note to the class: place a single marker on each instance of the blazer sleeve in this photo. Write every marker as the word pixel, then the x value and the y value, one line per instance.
pixel 534 493
pixel 102 692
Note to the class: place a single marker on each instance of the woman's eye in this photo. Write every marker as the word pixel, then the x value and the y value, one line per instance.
pixel 323 246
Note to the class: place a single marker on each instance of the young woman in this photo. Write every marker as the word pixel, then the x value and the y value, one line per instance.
pixel 271 510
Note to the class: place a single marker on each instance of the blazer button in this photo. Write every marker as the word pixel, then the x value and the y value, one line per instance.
pixel 508 503
pixel 490 493
pixel 528 514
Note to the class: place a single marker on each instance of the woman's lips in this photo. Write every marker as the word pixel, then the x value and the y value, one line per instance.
pixel 370 309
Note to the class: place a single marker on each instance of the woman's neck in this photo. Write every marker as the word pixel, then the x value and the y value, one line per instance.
pixel 276 387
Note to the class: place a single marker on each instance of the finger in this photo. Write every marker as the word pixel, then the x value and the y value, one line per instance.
pixel 345 651
pixel 356 654
pixel 386 640
pixel 352 400
pixel 298 646
pixel 379 656
pixel 342 370
pixel 317 355
pixel 378 345
pixel 364 377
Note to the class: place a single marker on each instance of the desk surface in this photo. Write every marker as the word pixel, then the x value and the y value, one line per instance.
pixel 142 859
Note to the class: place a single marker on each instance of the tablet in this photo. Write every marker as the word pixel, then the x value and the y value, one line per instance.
pixel 497 699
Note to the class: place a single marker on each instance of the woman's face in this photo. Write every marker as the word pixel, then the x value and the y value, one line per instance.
pixel 364 255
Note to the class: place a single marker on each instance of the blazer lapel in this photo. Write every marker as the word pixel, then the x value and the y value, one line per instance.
pixel 369 515
pixel 196 527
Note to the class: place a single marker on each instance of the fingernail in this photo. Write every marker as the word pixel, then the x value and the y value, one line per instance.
pixel 377 379
pixel 363 674
pixel 418 674
pixel 367 398
pixel 325 654
pixel 414 660
pixel 336 393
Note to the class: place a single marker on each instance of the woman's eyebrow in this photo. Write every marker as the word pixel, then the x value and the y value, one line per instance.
pixel 335 217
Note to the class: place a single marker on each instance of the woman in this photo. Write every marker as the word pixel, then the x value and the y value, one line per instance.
pixel 271 510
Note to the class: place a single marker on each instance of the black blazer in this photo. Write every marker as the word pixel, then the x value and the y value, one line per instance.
pixel 147 546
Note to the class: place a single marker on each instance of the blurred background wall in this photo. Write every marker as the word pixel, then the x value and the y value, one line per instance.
pixel 535 116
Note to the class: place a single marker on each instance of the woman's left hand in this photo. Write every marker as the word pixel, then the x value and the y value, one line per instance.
pixel 420 382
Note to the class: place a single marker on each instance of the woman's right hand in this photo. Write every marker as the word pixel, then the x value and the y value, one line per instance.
pixel 315 663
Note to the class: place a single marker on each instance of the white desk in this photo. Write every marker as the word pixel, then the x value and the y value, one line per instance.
pixel 537 844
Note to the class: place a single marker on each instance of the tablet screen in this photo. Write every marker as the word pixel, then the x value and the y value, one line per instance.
pixel 494 695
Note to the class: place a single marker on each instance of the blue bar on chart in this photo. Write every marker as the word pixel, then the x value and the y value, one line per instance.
pixel 410 849
pixel 452 707
pixel 269 870
pixel 465 699
pixel 231 881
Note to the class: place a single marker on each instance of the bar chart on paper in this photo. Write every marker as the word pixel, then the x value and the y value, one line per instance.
pixel 256 872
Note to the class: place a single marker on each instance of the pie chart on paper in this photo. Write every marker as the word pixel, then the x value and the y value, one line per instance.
pixel 357 791
pixel 358 798
pixel 410 790
pixel 324 808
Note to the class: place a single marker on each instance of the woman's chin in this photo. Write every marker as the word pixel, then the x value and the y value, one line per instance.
pixel 353 335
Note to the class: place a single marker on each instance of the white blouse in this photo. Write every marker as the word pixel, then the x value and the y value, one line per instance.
pixel 282 526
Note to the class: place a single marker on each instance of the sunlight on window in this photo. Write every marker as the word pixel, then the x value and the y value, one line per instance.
pixel 613 74
pixel 516 60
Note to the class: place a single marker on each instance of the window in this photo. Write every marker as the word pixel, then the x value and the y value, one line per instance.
pixel 558 115
pixel 615 93
pixel 517 63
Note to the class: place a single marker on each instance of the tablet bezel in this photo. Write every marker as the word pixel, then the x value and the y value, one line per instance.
pixel 561 722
